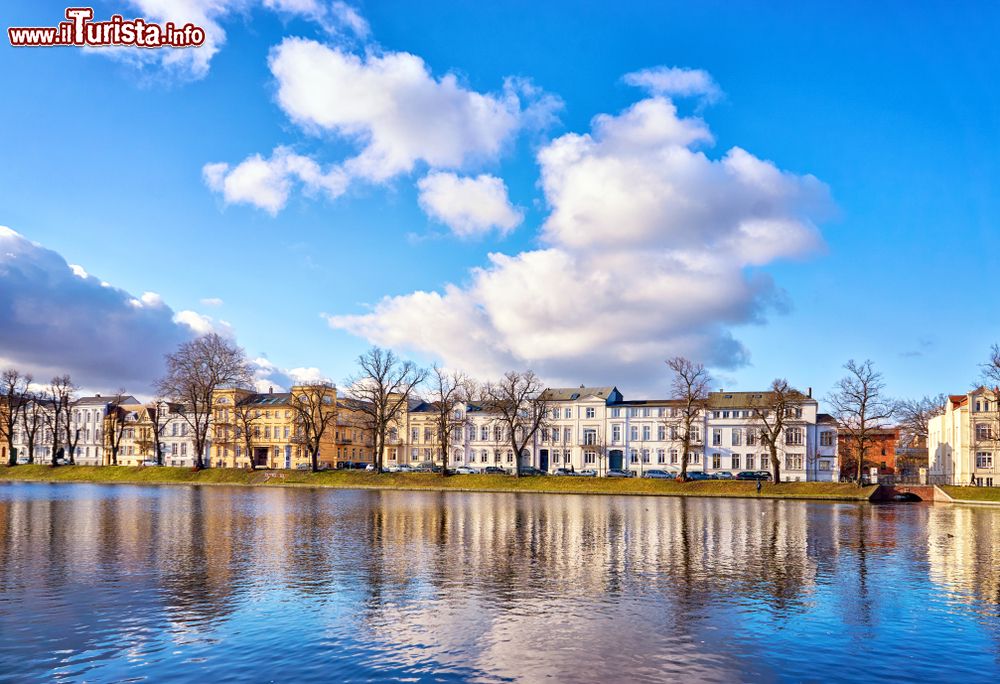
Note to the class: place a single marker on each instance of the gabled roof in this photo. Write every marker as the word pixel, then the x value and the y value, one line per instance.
pixel 266 400
pixel 581 392
pixel 103 400
pixel 723 400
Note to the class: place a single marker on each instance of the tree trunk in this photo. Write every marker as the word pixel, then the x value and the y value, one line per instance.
pixel 775 464
pixel 11 454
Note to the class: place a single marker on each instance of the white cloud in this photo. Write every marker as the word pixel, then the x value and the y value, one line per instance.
pixel 266 183
pixel 268 376
pixel 337 18
pixel 391 108
pixel 676 81
pixel 55 318
pixel 212 301
pixel 200 324
pixel 647 252
pixel 468 206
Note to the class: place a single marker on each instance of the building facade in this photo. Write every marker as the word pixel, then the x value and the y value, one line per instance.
pixel 963 443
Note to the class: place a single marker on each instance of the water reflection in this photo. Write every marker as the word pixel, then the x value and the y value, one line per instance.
pixel 115 582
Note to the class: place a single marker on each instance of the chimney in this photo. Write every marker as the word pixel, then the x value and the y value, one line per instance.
pixel 810 392
pixel 581 386
pixel 270 389
pixel 98 396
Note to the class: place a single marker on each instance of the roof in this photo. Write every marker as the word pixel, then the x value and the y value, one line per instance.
pixel 265 400
pixel 651 402
pixel 750 399
pixel 825 418
pixel 99 400
pixel 574 393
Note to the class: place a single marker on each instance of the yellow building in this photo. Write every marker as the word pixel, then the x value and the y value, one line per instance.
pixel 122 425
pixel 353 438
pixel 265 429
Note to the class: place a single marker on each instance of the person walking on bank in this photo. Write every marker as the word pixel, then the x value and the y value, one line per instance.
pixel 758 486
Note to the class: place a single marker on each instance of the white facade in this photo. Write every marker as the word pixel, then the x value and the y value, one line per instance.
pixel 595 428
pixel 962 443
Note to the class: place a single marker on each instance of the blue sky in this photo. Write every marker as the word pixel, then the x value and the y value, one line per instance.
pixel 893 108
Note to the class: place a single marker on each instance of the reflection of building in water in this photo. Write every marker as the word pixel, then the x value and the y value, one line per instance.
pixel 963 544
pixel 508 572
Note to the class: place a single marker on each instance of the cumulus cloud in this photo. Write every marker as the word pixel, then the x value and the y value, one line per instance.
pixel 211 301
pixel 266 183
pixel 268 376
pixel 55 318
pixel 468 206
pixel 676 82
pixel 391 108
pixel 336 18
pixel 649 250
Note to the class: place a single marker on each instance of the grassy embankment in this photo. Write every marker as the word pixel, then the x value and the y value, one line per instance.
pixel 973 493
pixel 428 481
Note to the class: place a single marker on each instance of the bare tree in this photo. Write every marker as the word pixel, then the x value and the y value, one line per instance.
pixel 194 372
pixel 912 415
pixel 860 408
pixel 520 407
pixel 115 422
pixel 32 420
pixel 314 409
pixel 159 418
pixel 71 427
pixel 689 385
pixel 383 387
pixel 450 391
pixel 245 428
pixel 774 413
pixel 61 390
pixel 13 397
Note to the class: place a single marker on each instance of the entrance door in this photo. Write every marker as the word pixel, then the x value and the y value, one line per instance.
pixel 616 459
pixel 543 460
pixel 260 457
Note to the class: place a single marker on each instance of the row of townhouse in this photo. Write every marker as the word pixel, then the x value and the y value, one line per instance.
pixel 963 442
pixel 100 424
pixel 596 428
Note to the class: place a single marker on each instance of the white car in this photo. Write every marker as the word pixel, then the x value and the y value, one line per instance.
pixel 466 470
pixel 589 472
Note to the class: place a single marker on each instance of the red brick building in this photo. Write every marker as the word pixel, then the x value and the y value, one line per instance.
pixel 880 453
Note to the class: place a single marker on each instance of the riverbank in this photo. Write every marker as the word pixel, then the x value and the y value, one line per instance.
pixel 354 479
pixel 977 495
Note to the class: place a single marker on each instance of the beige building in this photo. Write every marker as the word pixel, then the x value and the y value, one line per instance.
pixel 963 443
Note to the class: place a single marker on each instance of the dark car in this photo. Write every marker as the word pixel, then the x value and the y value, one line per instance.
pixel 427 467
pixel 493 470
pixel 617 472
pixel 753 475
pixel 764 475
pixel 698 475
pixel 529 470
pixel 563 471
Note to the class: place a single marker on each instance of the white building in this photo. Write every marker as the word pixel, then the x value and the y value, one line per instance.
pixel 962 443
pixel 87 415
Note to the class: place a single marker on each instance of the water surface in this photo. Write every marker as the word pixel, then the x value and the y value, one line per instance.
pixel 122 582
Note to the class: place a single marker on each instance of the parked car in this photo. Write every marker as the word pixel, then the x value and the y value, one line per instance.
pixel 764 475
pixel 494 470
pixel 465 470
pixel 303 466
pixel 370 468
pixel 753 475
pixel 404 468
pixel 427 467
pixel 563 472
pixel 529 471
pixel 697 475
pixel 658 475
pixel 589 472
pixel 149 462
pixel 617 472
pixel 723 476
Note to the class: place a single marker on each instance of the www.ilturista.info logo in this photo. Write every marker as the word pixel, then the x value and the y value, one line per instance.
pixel 81 30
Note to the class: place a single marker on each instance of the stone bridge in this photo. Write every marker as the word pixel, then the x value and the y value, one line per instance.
pixel 889 492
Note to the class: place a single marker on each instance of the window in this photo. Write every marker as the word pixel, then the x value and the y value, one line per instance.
pixel 661 456
pixel 736 462
pixel 716 436
pixel 510 456
pixel 484 434
pixel 616 413
pixel 984 460
pixel 751 462
pixel 661 432
pixel 673 457
pixel 826 438
pixel 567 435
pixel 695 433
pixel 633 456
pixel 737 437
pixel 645 433
pixel 716 460
pixel 589 457
pixel 694 457
pixel 645 455
pixel 793 436
pixel 590 413
pixel 633 433
pixel 545 434
pixel 568 413
pixel 616 433
pixel 984 431
pixel 589 436
pixel 751 439
pixel 793 461
pixel 725 414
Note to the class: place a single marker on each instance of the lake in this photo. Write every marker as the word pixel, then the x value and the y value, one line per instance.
pixel 119 582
